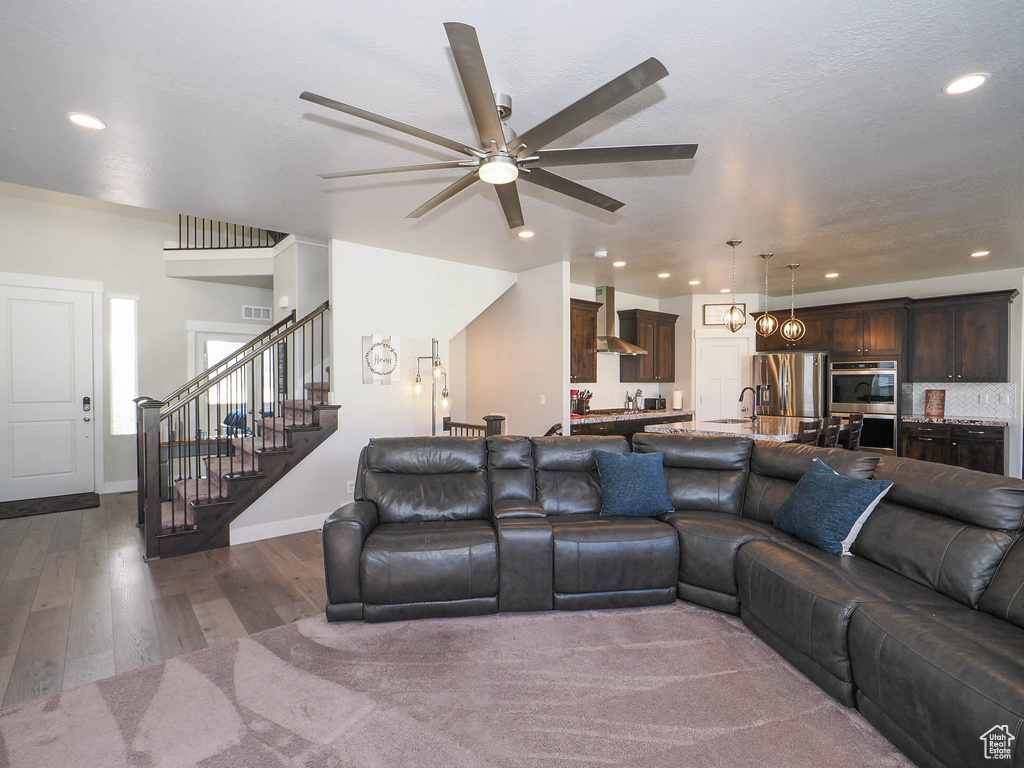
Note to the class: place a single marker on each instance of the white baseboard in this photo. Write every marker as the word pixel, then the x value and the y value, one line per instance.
pixel 120 486
pixel 247 533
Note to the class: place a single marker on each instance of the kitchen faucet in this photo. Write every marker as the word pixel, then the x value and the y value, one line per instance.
pixel 753 403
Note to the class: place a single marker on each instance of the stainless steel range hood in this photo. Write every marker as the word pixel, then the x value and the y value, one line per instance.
pixel 607 324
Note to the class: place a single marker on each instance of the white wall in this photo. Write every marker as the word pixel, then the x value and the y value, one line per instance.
pixel 374 291
pixel 58 235
pixel 609 391
pixel 517 351
pixel 999 280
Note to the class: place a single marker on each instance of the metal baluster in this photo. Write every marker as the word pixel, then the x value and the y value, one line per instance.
pixel 303 372
pixel 252 390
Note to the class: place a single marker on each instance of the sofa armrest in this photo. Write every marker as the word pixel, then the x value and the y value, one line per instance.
pixel 513 508
pixel 525 564
pixel 345 531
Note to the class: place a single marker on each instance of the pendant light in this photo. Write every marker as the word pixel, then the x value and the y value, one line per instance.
pixel 734 316
pixel 766 324
pixel 792 329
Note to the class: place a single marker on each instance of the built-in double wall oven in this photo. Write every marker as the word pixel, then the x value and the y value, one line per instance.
pixel 870 387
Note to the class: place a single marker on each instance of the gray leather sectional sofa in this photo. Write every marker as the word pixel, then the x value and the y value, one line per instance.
pixel 922 631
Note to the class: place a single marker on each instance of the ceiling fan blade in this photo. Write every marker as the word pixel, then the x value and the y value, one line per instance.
pixel 592 105
pixel 556 183
pixel 470 61
pixel 509 197
pixel 445 194
pixel 398 169
pixel 387 122
pixel 549 158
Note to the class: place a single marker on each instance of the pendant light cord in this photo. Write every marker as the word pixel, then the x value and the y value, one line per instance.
pixel 792 292
pixel 734 275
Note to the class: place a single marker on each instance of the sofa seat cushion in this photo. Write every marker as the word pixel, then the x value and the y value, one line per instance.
pixel 945 675
pixel 806 597
pixel 594 553
pixel 708 543
pixel 429 562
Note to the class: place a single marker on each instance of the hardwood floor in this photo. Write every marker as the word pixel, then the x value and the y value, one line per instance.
pixel 78 603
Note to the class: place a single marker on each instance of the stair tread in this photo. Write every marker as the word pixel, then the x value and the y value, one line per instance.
pixel 206 489
pixel 279 423
pixel 270 441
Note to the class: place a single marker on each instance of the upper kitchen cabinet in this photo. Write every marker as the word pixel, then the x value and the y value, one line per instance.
pixel 654 332
pixel 961 338
pixel 864 329
pixel 583 340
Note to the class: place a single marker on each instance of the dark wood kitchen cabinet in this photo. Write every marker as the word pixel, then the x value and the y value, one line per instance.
pixel 655 332
pixel 926 442
pixel 976 447
pixel 980 448
pixel 583 340
pixel 845 331
pixel 961 338
pixel 847 334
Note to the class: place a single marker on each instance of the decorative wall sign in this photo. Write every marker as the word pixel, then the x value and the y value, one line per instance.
pixel 714 314
pixel 935 403
pixel 380 360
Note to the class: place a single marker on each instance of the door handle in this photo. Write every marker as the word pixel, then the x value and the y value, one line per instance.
pixel 86 418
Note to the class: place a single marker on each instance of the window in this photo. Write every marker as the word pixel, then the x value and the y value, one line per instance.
pixel 124 364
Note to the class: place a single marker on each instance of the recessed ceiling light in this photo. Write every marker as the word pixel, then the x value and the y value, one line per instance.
pixel 86 121
pixel 979 254
pixel 618 263
pixel 526 234
pixel 830 275
pixel 966 83
pixel 725 290
pixel 663 275
pixel 695 282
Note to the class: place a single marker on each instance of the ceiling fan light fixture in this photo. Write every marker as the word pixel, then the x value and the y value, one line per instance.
pixel 498 169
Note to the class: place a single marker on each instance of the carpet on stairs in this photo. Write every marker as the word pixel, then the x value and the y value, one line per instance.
pixel 676 685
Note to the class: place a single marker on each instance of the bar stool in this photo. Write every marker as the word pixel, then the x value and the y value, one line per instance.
pixel 830 431
pixel 807 432
pixel 856 427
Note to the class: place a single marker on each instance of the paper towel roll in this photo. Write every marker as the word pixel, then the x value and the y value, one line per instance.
pixel 677 400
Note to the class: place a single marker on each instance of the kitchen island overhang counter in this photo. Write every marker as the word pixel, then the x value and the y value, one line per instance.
pixel 776 429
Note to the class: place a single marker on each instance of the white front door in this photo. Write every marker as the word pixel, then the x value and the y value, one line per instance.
pixel 46 358
pixel 722 371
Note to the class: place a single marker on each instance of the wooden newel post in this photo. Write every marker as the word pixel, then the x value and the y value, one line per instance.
pixel 150 475
pixel 495 425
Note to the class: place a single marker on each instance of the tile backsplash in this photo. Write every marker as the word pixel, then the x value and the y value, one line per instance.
pixel 965 401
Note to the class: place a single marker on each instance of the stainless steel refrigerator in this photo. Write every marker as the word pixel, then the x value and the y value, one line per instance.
pixel 792 384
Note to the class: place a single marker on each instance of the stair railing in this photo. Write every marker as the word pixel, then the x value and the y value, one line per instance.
pixel 198 234
pixel 189 387
pixel 493 425
pixel 186 447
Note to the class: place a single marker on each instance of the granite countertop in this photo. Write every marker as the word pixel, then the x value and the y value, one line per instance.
pixel 961 422
pixel 776 429
pixel 600 418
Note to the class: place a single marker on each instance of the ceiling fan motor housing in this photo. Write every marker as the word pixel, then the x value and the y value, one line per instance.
pixel 504 104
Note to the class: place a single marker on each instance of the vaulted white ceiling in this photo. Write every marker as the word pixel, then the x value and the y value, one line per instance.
pixel 824 135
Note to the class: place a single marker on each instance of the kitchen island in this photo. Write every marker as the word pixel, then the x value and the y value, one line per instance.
pixel 776 429
pixel 622 422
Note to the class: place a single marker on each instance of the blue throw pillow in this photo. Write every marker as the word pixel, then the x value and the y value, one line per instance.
pixel 827 509
pixel 632 484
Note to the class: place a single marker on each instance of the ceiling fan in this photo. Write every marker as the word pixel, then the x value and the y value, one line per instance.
pixel 501 159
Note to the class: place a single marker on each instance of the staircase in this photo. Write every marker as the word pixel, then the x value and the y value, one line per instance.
pixel 217 443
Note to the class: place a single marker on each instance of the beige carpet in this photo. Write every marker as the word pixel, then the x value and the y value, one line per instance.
pixel 671 686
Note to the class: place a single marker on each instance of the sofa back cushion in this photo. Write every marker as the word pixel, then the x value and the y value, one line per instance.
pixel 566 472
pixel 703 474
pixel 945 527
pixel 415 479
pixel 510 468
pixel 1005 594
pixel 776 468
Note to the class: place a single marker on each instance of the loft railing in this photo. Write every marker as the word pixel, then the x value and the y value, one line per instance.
pixel 217 428
pixel 195 233
pixel 493 425
pixel 190 387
